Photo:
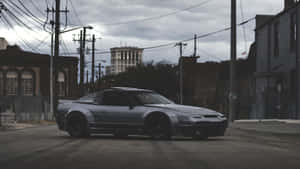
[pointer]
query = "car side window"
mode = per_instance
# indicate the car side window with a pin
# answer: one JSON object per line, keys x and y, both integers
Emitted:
{"x": 115, "y": 98}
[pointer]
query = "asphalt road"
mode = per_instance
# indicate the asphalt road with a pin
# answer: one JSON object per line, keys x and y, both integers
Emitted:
{"x": 48, "y": 148}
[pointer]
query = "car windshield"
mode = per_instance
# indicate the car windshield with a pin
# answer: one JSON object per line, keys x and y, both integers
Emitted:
{"x": 151, "y": 98}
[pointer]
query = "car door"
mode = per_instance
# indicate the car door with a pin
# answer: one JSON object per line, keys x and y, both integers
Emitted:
{"x": 117, "y": 110}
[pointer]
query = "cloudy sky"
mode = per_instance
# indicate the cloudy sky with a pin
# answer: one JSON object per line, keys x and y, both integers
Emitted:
{"x": 121, "y": 23}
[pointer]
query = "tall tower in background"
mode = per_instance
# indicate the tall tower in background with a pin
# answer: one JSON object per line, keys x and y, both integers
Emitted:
{"x": 123, "y": 58}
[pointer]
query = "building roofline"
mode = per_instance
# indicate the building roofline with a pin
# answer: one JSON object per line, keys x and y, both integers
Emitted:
{"x": 128, "y": 47}
{"x": 15, "y": 50}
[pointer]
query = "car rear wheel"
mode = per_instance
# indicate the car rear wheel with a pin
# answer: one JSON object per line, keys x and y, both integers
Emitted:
{"x": 159, "y": 128}
{"x": 77, "y": 126}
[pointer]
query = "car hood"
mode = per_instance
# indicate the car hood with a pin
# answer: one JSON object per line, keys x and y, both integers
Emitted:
{"x": 192, "y": 110}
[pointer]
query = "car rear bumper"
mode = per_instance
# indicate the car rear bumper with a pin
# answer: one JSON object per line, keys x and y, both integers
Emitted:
{"x": 209, "y": 129}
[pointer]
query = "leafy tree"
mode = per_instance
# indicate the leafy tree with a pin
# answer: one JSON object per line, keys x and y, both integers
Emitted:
{"x": 160, "y": 77}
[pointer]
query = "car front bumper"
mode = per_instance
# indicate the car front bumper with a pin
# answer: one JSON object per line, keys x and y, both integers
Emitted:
{"x": 207, "y": 128}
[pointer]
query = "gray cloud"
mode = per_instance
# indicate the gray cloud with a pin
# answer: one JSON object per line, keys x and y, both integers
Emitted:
{"x": 212, "y": 16}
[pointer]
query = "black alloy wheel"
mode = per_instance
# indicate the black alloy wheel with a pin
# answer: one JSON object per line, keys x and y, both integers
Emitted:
{"x": 159, "y": 128}
{"x": 77, "y": 126}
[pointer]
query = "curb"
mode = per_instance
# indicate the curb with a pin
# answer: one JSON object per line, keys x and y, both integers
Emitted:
{"x": 4, "y": 130}
{"x": 253, "y": 131}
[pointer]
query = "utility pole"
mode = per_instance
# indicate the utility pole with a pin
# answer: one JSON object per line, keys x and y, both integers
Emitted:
{"x": 180, "y": 44}
{"x": 297, "y": 65}
{"x": 93, "y": 60}
{"x": 195, "y": 46}
{"x": 56, "y": 54}
{"x": 55, "y": 31}
{"x": 233, "y": 94}
{"x": 51, "y": 64}
{"x": 81, "y": 83}
{"x": 82, "y": 41}
{"x": 99, "y": 72}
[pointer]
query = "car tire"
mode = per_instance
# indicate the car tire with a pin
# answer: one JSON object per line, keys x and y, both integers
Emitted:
{"x": 159, "y": 128}
{"x": 77, "y": 126}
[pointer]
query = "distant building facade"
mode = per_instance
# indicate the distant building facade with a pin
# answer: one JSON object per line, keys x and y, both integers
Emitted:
{"x": 125, "y": 57}
{"x": 276, "y": 73}
{"x": 25, "y": 80}
{"x": 207, "y": 84}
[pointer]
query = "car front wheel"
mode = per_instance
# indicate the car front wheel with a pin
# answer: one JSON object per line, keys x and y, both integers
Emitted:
{"x": 77, "y": 126}
{"x": 159, "y": 128}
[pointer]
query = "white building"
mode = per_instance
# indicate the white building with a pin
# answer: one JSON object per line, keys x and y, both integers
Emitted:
{"x": 125, "y": 57}
{"x": 3, "y": 44}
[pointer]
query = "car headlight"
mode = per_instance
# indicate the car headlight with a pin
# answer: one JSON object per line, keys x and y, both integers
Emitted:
{"x": 221, "y": 116}
{"x": 184, "y": 118}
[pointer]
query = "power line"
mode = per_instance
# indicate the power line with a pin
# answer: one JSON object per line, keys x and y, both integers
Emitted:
{"x": 21, "y": 12}
{"x": 159, "y": 16}
{"x": 36, "y": 7}
{"x": 75, "y": 12}
{"x": 42, "y": 42}
{"x": 201, "y": 36}
{"x": 17, "y": 8}
{"x": 11, "y": 26}
{"x": 186, "y": 40}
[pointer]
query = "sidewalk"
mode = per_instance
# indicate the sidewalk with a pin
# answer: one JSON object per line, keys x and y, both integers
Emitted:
{"x": 273, "y": 127}
{"x": 20, "y": 126}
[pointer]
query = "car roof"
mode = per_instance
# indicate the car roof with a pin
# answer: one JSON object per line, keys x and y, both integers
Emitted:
{"x": 129, "y": 89}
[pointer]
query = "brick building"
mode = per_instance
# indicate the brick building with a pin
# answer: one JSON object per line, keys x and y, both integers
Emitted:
{"x": 25, "y": 79}
{"x": 207, "y": 84}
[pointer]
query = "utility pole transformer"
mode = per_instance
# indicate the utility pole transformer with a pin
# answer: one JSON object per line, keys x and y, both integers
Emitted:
{"x": 233, "y": 91}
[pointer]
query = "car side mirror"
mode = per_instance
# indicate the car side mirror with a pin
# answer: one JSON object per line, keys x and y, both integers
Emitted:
{"x": 131, "y": 106}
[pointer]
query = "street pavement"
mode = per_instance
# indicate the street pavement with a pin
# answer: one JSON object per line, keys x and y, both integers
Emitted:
{"x": 47, "y": 148}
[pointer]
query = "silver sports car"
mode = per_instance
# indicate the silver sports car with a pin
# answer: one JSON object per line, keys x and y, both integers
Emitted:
{"x": 122, "y": 111}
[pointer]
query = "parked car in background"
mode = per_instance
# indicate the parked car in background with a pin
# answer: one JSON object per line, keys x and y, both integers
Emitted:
{"x": 124, "y": 111}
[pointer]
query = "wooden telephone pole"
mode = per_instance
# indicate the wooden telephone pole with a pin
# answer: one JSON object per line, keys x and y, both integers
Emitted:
{"x": 233, "y": 94}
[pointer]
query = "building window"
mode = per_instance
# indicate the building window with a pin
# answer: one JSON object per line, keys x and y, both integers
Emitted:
{"x": 61, "y": 84}
{"x": 276, "y": 39}
{"x": 137, "y": 57}
{"x": 122, "y": 55}
{"x": 27, "y": 83}
{"x": 1, "y": 83}
{"x": 293, "y": 30}
{"x": 12, "y": 83}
